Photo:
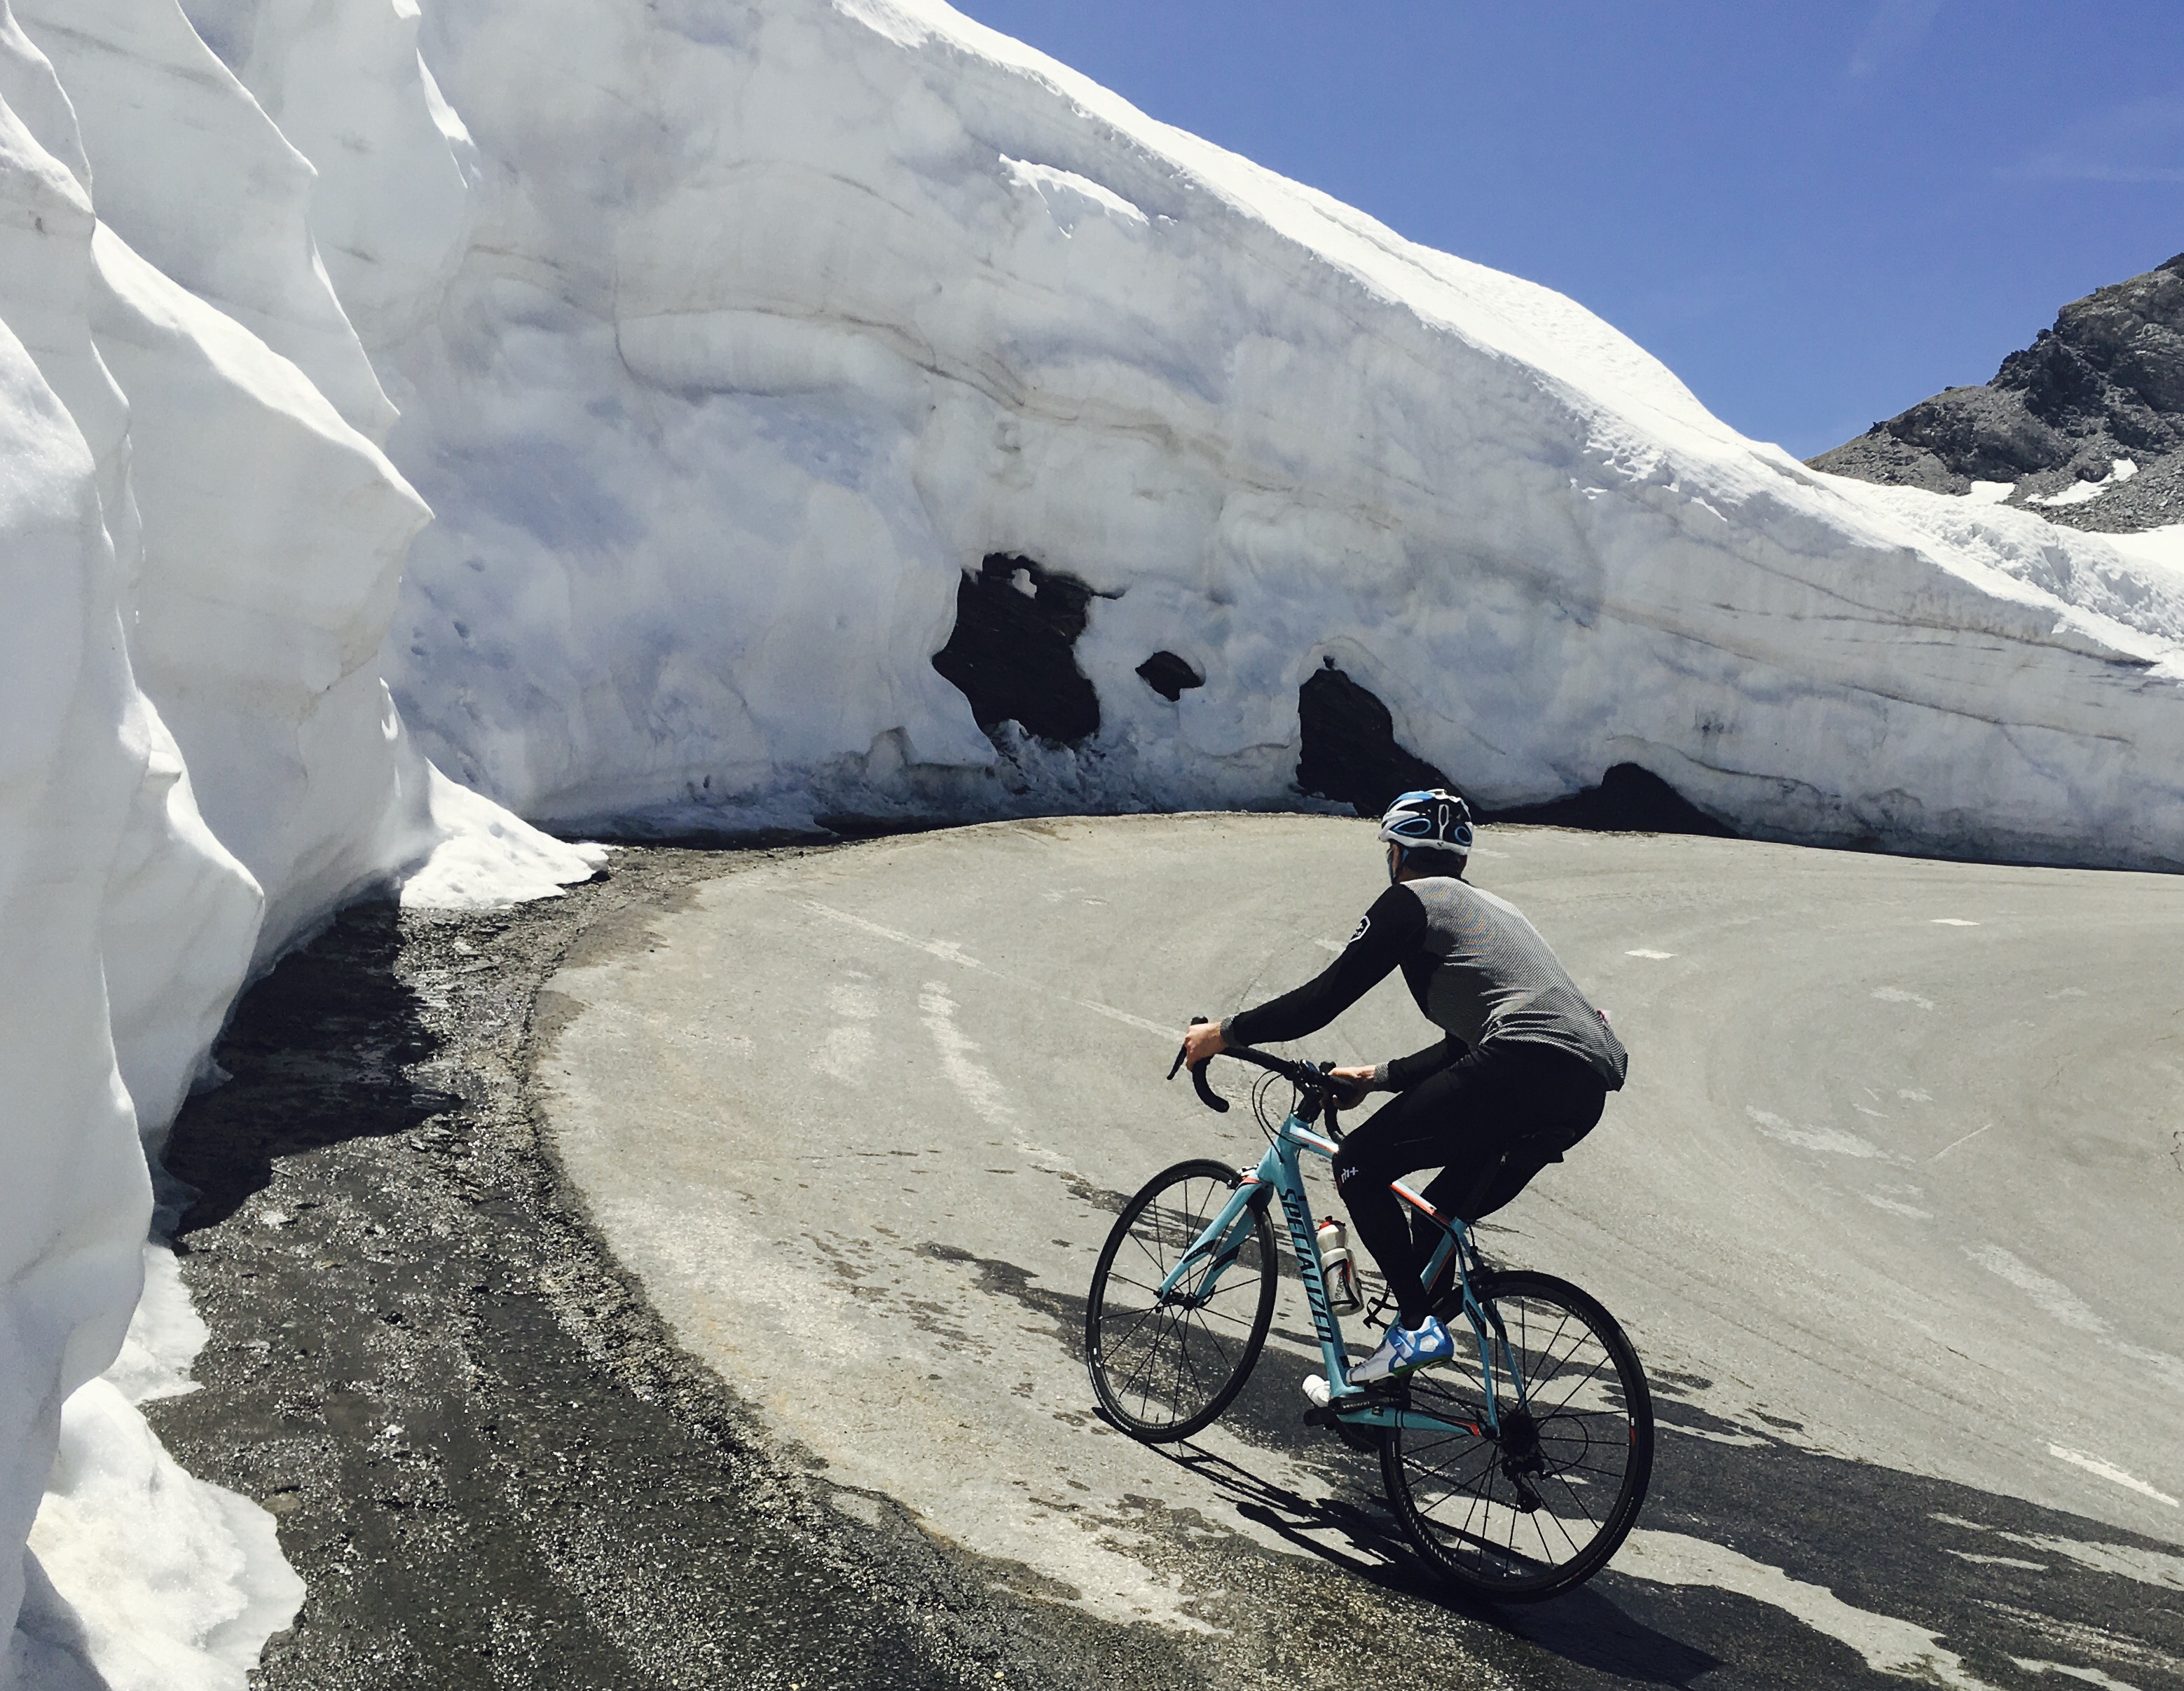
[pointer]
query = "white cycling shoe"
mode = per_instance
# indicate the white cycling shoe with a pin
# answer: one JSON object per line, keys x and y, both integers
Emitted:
{"x": 1405, "y": 1351}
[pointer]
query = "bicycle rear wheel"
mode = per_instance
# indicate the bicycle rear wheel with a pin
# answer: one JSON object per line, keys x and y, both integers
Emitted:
{"x": 1541, "y": 1508}
{"x": 1163, "y": 1369}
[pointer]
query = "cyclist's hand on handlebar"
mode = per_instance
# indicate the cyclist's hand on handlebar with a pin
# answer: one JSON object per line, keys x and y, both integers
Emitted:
{"x": 1356, "y": 1082}
{"x": 1203, "y": 1040}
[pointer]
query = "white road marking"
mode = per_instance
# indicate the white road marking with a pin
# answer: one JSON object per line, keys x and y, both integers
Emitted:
{"x": 951, "y": 951}
{"x": 2092, "y": 1675}
{"x": 847, "y": 1046}
{"x": 2068, "y": 1308}
{"x": 2087, "y": 1640}
{"x": 1125, "y": 1016}
{"x": 1654, "y": 956}
{"x": 1330, "y": 945}
{"x": 2109, "y": 1470}
{"x": 1953, "y": 1143}
{"x": 959, "y": 1057}
{"x": 1889, "y": 1645}
{"x": 1831, "y": 1140}
{"x": 948, "y": 951}
{"x": 2148, "y": 1568}
{"x": 844, "y": 1052}
{"x": 1895, "y": 1207}
{"x": 1896, "y": 994}
{"x": 1952, "y": 922}
{"x": 2000, "y": 1561}
{"x": 2051, "y": 1295}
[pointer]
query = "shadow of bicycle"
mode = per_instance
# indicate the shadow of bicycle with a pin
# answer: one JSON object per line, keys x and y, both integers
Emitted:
{"x": 1357, "y": 1535}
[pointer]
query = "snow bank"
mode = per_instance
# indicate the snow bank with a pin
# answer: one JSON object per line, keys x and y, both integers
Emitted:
{"x": 772, "y": 320}
{"x": 98, "y": 845}
{"x": 154, "y": 1581}
{"x": 199, "y": 551}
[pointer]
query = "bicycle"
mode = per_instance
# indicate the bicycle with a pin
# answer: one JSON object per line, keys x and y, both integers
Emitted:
{"x": 1516, "y": 1471}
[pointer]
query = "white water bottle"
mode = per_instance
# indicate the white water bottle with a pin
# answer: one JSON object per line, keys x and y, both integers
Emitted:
{"x": 1336, "y": 1270}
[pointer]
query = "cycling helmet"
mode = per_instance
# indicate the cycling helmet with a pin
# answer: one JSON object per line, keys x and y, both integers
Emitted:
{"x": 1436, "y": 821}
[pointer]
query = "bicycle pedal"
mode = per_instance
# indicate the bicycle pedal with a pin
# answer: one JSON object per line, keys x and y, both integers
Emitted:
{"x": 1381, "y": 1394}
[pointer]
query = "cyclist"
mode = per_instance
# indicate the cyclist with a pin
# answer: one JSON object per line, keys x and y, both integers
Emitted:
{"x": 1522, "y": 1072}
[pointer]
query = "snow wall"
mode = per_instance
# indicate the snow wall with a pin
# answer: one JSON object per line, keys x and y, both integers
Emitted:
{"x": 771, "y": 320}
{"x": 724, "y": 339}
{"x": 200, "y": 545}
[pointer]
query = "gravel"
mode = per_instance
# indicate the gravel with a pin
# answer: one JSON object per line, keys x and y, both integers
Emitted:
{"x": 490, "y": 1464}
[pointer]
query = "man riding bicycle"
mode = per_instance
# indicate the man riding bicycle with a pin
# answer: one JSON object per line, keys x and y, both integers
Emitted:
{"x": 1522, "y": 1072}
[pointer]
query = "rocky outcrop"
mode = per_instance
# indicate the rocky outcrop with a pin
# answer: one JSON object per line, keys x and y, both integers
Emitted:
{"x": 2101, "y": 389}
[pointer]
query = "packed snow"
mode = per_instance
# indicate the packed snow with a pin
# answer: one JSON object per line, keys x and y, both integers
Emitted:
{"x": 2157, "y": 553}
{"x": 201, "y": 550}
{"x": 720, "y": 342}
{"x": 156, "y": 1581}
{"x": 770, "y": 324}
{"x": 2120, "y": 469}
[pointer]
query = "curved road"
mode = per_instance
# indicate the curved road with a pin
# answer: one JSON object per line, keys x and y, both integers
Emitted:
{"x": 1893, "y": 1207}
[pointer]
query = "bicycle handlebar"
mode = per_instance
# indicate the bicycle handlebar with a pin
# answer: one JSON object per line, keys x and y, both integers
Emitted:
{"x": 1316, "y": 1083}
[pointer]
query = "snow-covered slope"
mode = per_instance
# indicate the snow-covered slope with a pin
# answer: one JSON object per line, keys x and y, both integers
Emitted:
{"x": 774, "y": 320}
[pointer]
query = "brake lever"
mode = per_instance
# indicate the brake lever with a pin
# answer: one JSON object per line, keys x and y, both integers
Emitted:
{"x": 1182, "y": 1050}
{"x": 1339, "y": 1098}
{"x": 1206, "y": 1096}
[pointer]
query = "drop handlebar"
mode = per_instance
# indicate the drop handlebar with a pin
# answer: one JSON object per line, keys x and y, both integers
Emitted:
{"x": 1321, "y": 1089}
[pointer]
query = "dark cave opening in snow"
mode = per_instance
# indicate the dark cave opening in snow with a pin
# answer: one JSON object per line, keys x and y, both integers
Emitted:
{"x": 1013, "y": 650}
{"x": 1169, "y": 675}
{"x": 1629, "y": 799}
{"x": 1350, "y": 754}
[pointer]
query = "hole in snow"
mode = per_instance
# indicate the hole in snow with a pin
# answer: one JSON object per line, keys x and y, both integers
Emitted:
{"x": 1350, "y": 751}
{"x": 1013, "y": 651}
{"x": 1169, "y": 676}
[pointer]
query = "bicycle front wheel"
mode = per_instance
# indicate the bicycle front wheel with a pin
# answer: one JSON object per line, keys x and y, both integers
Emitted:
{"x": 1164, "y": 1367}
{"x": 1539, "y": 1508}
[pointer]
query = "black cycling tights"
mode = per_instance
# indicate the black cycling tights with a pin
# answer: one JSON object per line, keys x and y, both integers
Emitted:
{"x": 1459, "y": 1121}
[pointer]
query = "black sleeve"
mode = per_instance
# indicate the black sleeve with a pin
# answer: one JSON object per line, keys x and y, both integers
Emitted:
{"x": 1406, "y": 1072}
{"x": 1390, "y": 932}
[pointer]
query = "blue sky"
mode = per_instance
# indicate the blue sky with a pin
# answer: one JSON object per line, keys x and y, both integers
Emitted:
{"x": 1816, "y": 214}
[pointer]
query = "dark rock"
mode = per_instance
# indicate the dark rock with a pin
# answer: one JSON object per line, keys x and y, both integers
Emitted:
{"x": 1349, "y": 753}
{"x": 2106, "y": 382}
{"x": 1169, "y": 676}
{"x": 1013, "y": 654}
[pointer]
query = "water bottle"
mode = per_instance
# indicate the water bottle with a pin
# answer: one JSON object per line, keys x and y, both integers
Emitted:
{"x": 1336, "y": 1270}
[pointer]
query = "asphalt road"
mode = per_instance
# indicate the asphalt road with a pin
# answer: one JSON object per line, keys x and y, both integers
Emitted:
{"x": 1893, "y": 1208}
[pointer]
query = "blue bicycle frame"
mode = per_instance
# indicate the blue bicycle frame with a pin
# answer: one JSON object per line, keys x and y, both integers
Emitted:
{"x": 1278, "y": 1174}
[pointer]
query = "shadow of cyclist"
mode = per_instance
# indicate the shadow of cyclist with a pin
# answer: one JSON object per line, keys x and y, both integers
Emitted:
{"x": 1584, "y": 1627}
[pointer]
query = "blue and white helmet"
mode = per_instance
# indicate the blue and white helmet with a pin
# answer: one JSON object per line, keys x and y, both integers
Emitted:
{"x": 1436, "y": 820}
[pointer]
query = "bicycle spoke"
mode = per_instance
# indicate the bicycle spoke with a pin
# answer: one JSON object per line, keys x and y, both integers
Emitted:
{"x": 1521, "y": 1508}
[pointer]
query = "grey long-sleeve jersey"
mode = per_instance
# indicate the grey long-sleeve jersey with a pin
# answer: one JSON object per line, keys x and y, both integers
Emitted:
{"x": 1479, "y": 970}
